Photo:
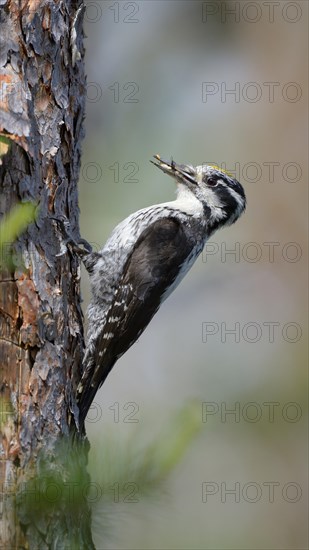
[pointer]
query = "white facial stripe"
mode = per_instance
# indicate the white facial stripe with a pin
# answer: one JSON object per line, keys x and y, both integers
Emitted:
{"x": 212, "y": 198}
{"x": 234, "y": 194}
{"x": 237, "y": 197}
{"x": 209, "y": 195}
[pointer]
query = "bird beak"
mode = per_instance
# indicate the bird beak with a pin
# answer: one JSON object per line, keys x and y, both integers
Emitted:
{"x": 181, "y": 172}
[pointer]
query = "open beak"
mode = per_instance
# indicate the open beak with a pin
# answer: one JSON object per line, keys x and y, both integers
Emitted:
{"x": 183, "y": 173}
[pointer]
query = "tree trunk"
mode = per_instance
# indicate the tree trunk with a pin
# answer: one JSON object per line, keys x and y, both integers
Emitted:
{"x": 42, "y": 97}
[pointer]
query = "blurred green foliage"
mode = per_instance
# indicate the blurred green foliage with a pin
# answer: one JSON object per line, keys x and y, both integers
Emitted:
{"x": 12, "y": 226}
{"x": 121, "y": 471}
{"x": 146, "y": 466}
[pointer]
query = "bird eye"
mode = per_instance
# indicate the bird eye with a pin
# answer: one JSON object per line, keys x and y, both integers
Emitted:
{"x": 212, "y": 182}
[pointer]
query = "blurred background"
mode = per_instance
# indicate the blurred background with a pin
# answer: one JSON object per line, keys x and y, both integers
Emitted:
{"x": 204, "y": 82}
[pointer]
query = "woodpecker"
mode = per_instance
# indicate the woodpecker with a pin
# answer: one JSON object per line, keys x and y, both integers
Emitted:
{"x": 144, "y": 260}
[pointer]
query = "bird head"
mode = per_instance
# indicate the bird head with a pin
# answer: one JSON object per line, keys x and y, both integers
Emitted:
{"x": 222, "y": 196}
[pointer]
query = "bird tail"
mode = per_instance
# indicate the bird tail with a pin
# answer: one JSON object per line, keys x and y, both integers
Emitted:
{"x": 87, "y": 389}
{"x": 85, "y": 397}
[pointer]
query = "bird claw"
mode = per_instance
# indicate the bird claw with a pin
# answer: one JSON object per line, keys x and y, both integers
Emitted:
{"x": 82, "y": 247}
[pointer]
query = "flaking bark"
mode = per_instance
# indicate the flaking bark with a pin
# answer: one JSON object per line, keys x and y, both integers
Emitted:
{"x": 42, "y": 99}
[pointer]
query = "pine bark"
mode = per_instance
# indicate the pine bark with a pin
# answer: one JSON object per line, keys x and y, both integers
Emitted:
{"x": 42, "y": 100}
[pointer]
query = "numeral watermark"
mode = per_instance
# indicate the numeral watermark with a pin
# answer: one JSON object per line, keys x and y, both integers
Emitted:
{"x": 129, "y": 168}
{"x": 93, "y": 172}
{"x": 125, "y": 93}
{"x": 118, "y": 92}
{"x": 127, "y": 413}
{"x": 116, "y": 12}
{"x": 125, "y": 12}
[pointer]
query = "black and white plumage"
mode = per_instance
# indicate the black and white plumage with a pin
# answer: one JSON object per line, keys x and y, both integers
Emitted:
{"x": 144, "y": 259}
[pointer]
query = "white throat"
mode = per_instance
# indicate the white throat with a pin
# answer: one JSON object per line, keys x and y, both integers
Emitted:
{"x": 186, "y": 202}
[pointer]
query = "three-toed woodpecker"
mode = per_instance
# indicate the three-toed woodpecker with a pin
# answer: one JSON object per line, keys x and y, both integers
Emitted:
{"x": 144, "y": 259}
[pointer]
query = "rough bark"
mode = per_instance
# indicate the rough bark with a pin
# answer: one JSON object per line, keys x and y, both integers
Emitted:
{"x": 42, "y": 99}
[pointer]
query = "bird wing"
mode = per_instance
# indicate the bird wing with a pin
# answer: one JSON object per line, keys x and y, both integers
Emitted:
{"x": 154, "y": 265}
